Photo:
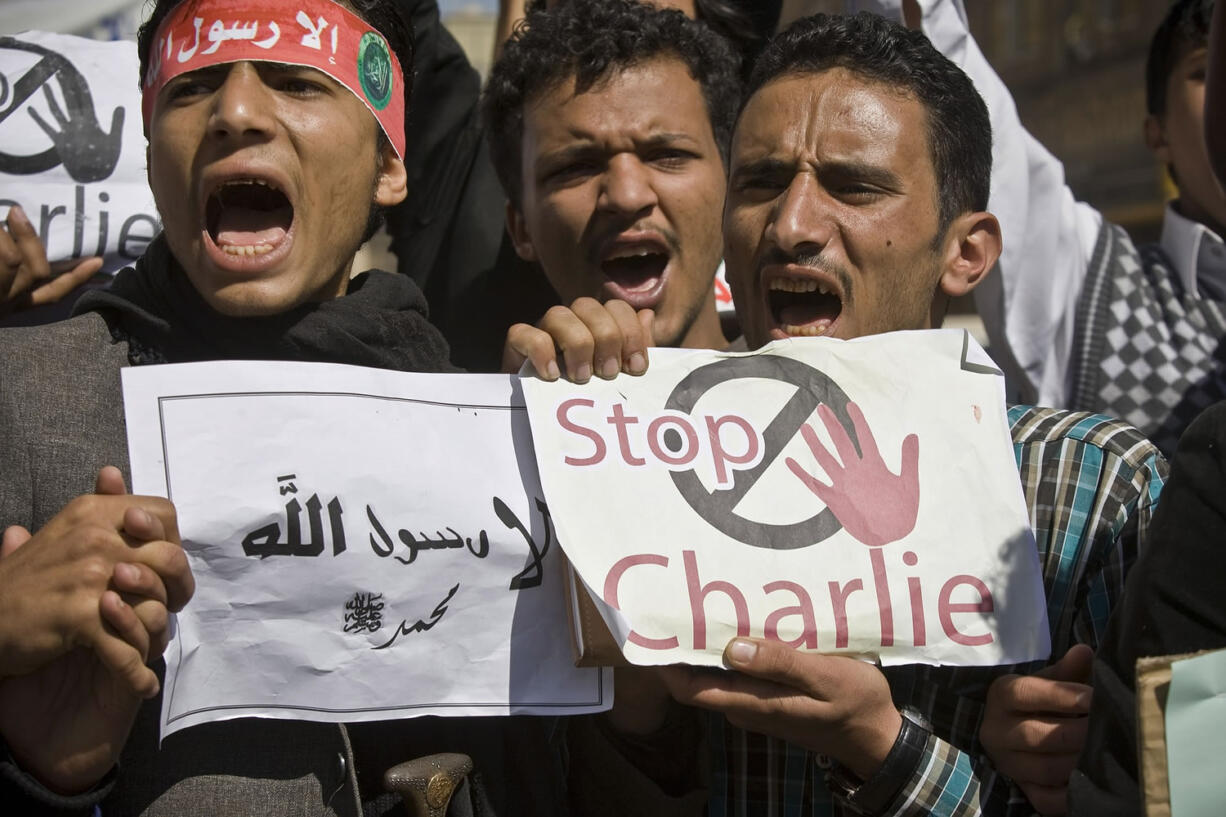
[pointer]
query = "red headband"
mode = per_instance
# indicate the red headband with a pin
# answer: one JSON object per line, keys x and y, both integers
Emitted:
{"x": 315, "y": 33}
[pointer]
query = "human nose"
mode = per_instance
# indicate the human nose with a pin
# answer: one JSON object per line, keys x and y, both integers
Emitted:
{"x": 627, "y": 186}
{"x": 241, "y": 105}
{"x": 799, "y": 220}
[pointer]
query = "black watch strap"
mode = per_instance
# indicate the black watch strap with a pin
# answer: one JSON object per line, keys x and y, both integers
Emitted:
{"x": 872, "y": 796}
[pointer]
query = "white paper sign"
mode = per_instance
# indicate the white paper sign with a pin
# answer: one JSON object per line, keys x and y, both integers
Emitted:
{"x": 72, "y": 147}
{"x": 366, "y": 545}
{"x": 692, "y": 502}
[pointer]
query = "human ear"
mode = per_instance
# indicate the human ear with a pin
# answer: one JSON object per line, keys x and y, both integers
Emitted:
{"x": 393, "y": 184}
{"x": 972, "y": 245}
{"x": 518, "y": 230}
{"x": 1155, "y": 139}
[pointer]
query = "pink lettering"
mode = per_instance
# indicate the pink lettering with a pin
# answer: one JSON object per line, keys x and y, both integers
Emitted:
{"x": 611, "y": 583}
{"x": 918, "y": 630}
{"x": 946, "y": 609}
{"x": 619, "y": 420}
{"x": 564, "y": 421}
{"x": 885, "y": 605}
{"x": 654, "y": 432}
{"x": 804, "y": 609}
{"x": 838, "y": 601}
{"x": 698, "y": 598}
{"x": 721, "y": 457}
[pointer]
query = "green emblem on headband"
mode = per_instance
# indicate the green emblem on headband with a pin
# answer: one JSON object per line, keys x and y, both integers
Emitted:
{"x": 375, "y": 70}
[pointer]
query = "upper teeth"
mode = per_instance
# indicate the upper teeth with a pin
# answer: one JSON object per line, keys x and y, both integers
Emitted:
{"x": 631, "y": 254}
{"x": 261, "y": 182}
{"x": 799, "y": 285}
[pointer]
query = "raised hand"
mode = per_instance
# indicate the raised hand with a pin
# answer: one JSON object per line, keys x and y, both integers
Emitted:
{"x": 874, "y": 505}
{"x": 26, "y": 278}
{"x": 593, "y": 338}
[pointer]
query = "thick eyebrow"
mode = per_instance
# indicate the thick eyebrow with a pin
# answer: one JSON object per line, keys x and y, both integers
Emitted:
{"x": 766, "y": 167}
{"x": 861, "y": 172}
{"x": 575, "y": 151}
{"x": 581, "y": 150}
{"x": 663, "y": 139}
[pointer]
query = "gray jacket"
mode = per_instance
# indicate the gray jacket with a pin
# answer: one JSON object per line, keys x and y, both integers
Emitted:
{"x": 61, "y": 419}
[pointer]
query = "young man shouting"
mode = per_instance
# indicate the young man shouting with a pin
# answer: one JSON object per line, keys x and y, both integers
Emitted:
{"x": 270, "y": 158}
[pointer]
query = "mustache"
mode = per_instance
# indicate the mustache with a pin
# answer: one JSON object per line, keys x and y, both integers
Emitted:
{"x": 810, "y": 260}
{"x": 595, "y": 242}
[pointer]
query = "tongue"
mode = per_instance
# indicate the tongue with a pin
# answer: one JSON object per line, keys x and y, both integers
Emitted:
{"x": 802, "y": 314}
{"x": 635, "y": 273}
{"x": 244, "y": 226}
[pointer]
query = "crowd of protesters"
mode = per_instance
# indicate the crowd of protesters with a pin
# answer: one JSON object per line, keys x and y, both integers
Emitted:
{"x": 852, "y": 173}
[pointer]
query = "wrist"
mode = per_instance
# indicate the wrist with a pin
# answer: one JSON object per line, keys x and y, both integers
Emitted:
{"x": 868, "y": 751}
{"x": 19, "y": 786}
{"x": 874, "y": 793}
{"x": 66, "y": 779}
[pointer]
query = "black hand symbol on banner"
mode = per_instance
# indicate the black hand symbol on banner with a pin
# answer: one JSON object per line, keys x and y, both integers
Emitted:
{"x": 88, "y": 153}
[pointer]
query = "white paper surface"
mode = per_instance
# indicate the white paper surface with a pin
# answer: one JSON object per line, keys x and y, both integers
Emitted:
{"x": 80, "y": 176}
{"x": 675, "y": 499}
{"x": 408, "y": 477}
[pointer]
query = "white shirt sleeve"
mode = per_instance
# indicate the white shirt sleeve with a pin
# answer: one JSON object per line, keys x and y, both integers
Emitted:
{"x": 1029, "y": 306}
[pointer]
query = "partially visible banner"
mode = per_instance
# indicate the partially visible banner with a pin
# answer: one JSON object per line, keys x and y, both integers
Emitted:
{"x": 839, "y": 496}
{"x": 367, "y": 545}
{"x": 72, "y": 151}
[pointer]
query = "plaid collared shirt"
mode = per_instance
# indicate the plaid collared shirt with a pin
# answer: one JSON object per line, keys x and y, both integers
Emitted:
{"x": 1091, "y": 484}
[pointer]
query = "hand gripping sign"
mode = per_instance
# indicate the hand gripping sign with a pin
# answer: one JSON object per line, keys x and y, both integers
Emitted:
{"x": 317, "y": 33}
{"x": 815, "y": 492}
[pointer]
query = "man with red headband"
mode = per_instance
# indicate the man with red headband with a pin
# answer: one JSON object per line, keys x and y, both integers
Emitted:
{"x": 276, "y": 136}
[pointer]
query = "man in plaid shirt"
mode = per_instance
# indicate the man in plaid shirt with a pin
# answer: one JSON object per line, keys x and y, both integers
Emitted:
{"x": 860, "y": 163}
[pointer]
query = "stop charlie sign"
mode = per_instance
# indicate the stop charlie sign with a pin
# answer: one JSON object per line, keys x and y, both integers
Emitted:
{"x": 838, "y": 496}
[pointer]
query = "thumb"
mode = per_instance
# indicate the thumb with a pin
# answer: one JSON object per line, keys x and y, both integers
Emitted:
{"x": 646, "y": 319}
{"x": 1075, "y": 666}
{"x": 767, "y": 659}
{"x": 14, "y": 537}
{"x": 110, "y": 482}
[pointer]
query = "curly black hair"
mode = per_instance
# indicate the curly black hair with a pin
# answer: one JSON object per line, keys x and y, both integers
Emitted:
{"x": 748, "y": 24}
{"x": 1185, "y": 28}
{"x": 881, "y": 51}
{"x": 588, "y": 40}
{"x": 385, "y": 16}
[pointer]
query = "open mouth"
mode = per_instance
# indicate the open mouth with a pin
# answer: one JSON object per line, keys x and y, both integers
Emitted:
{"x": 248, "y": 217}
{"x": 635, "y": 266}
{"x": 635, "y": 270}
{"x": 803, "y": 307}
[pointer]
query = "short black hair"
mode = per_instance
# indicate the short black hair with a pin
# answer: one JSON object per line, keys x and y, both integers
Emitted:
{"x": 1185, "y": 27}
{"x": 748, "y": 24}
{"x": 881, "y": 51}
{"x": 589, "y": 40}
{"x": 385, "y": 16}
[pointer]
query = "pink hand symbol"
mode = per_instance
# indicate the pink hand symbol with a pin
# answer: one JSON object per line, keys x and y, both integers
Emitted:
{"x": 875, "y": 505}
